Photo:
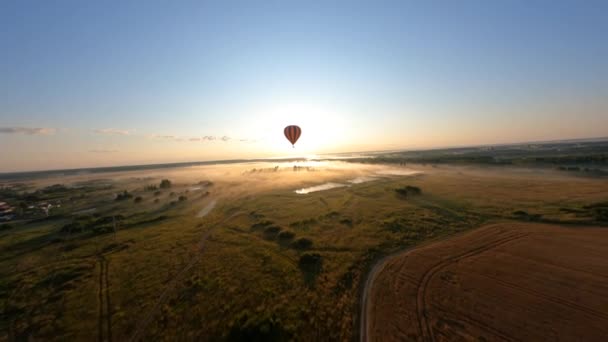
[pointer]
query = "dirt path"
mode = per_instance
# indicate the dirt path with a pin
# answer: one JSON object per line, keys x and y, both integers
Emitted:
{"x": 104, "y": 323}
{"x": 143, "y": 324}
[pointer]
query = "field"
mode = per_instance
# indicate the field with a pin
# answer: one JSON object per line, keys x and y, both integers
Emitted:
{"x": 503, "y": 282}
{"x": 233, "y": 252}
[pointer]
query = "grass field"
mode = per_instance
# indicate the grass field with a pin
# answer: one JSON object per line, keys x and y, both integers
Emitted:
{"x": 263, "y": 263}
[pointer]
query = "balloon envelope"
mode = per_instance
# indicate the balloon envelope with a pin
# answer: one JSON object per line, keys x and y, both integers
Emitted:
{"x": 292, "y": 133}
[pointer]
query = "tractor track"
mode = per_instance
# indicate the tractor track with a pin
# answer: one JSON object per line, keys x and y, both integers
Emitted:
{"x": 425, "y": 330}
{"x": 104, "y": 321}
{"x": 143, "y": 324}
{"x": 378, "y": 266}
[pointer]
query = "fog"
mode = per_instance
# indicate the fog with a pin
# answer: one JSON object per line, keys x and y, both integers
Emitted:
{"x": 247, "y": 178}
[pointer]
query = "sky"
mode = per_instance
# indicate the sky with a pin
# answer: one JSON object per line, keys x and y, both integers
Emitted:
{"x": 99, "y": 83}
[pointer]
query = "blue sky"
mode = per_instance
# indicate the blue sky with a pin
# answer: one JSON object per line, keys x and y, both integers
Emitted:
{"x": 105, "y": 83}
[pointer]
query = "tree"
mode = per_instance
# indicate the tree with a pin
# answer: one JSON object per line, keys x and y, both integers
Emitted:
{"x": 123, "y": 196}
{"x": 165, "y": 184}
{"x": 302, "y": 243}
{"x": 286, "y": 235}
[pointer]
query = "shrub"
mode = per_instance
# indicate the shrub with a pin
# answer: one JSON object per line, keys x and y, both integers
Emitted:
{"x": 260, "y": 225}
{"x": 157, "y": 193}
{"x": 123, "y": 196}
{"x": 72, "y": 227}
{"x": 286, "y": 235}
{"x": 182, "y": 198}
{"x": 394, "y": 225}
{"x": 302, "y": 243}
{"x": 310, "y": 263}
{"x": 408, "y": 191}
{"x": 272, "y": 231}
{"x": 304, "y": 223}
{"x": 151, "y": 187}
{"x": 601, "y": 214}
{"x": 523, "y": 215}
{"x": 138, "y": 199}
{"x": 6, "y": 226}
{"x": 165, "y": 184}
{"x": 249, "y": 327}
{"x": 347, "y": 222}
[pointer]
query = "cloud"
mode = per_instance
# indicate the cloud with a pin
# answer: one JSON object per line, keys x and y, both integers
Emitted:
{"x": 112, "y": 131}
{"x": 212, "y": 138}
{"x": 195, "y": 139}
{"x": 158, "y": 136}
{"x": 103, "y": 151}
{"x": 27, "y": 130}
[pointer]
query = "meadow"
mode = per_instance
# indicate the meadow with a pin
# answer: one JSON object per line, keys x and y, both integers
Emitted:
{"x": 233, "y": 252}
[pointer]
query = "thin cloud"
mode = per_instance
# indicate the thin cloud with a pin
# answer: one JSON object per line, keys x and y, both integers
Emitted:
{"x": 112, "y": 131}
{"x": 158, "y": 136}
{"x": 103, "y": 151}
{"x": 27, "y": 130}
{"x": 224, "y": 138}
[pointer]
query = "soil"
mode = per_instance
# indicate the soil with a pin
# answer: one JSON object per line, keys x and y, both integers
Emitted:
{"x": 508, "y": 281}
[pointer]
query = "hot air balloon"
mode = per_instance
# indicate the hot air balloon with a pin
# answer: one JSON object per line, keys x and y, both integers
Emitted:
{"x": 292, "y": 133}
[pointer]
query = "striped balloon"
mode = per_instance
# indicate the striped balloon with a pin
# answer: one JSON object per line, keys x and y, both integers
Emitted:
{"x": 292, "y": 133}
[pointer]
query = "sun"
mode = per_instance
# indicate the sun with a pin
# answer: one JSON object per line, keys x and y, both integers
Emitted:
{"x": 323, "y": 128}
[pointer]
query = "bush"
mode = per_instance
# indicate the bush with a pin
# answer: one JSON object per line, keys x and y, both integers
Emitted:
{"x": 138, "y": 199}
{"x": 302, "y": 243}
{"x": 311, "y": 263}
{"x": 252, "y": 328}
{"x": 601, "y": 214}
{"x": 523, "y": 215}
{"x": 72, "y": 227}
{"x": 182, "y": 198}
{"x": 408, "y": 191}
{"x": 271, "y": 231}
{"x": 123, "y": 196}
{"x": 260, "y": 225}
{"x": 395, "y": 225}
{"x": 286, "y": 235}
{"x": 165, "y": 184}
{"x": 347, "y": 222}
{"x": 157, "y": 193}
{"x": 6, "y": 226}
{"x": 151, "y": 187}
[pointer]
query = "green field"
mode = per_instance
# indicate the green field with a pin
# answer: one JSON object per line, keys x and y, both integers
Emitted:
{"x": 264, "y": 264}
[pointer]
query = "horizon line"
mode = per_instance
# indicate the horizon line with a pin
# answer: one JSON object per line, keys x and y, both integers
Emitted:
{"x": 100, "y": 169}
